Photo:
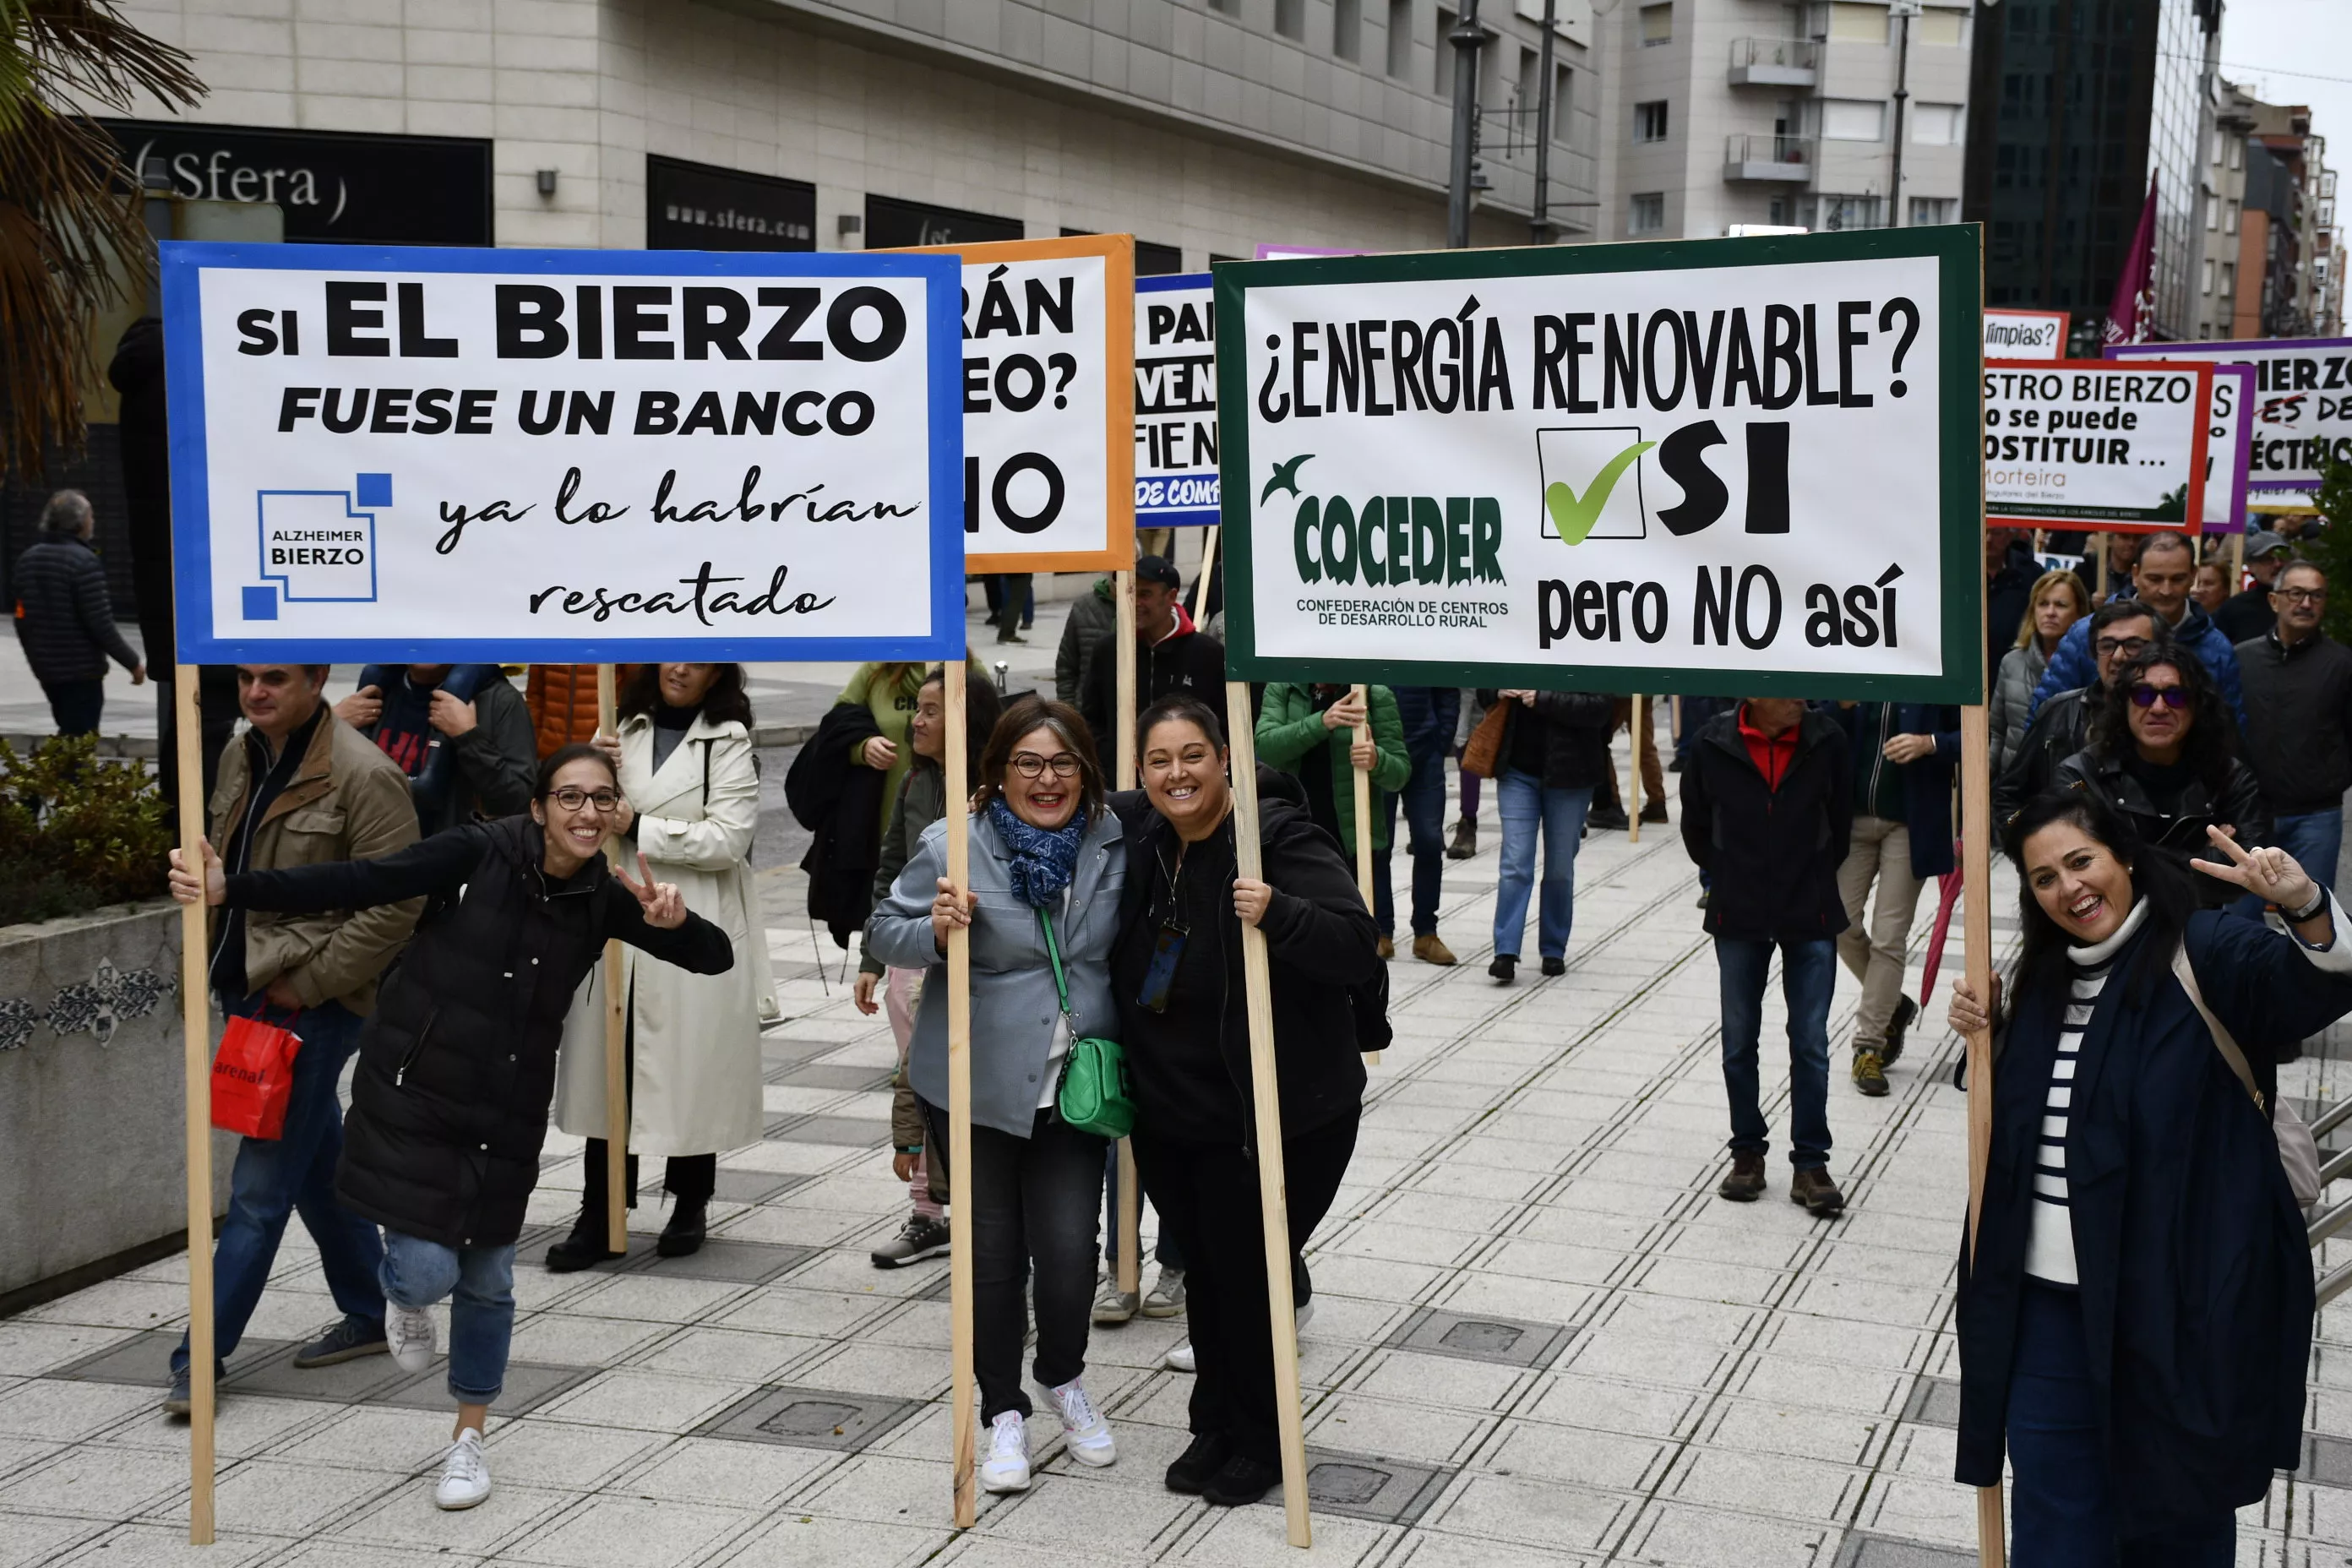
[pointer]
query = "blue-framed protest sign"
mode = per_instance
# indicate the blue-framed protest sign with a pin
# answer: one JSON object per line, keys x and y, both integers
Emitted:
{"x": 584, "y": 456}
{"x": 1175, "y": 401}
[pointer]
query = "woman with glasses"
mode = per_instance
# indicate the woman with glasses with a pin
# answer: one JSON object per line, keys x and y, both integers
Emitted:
{"x": 2057, "y": 602}
{"x": 457, "y": 1065}
{"x": 1047, "y": 866}
{"x": 691, "y": 803}
{"x": 2163, "y": 752}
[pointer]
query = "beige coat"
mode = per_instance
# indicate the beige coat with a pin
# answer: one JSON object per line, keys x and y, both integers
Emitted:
{"x": 698, "y": 1082}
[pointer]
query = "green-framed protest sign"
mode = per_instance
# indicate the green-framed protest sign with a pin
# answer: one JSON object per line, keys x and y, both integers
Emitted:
{"x": 1739, "y": 467}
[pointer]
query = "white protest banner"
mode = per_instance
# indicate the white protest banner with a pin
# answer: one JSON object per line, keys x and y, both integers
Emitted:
{"x": 576, "y": 455}
{"x": 2303, "y": 402}
{"x": 2097, "y": 444}
{"x": 1175, "y": 402}
{"x": 1732, "y": 464}
{"x": 2025, "y": 335}
{"x": 2229, "y": 436}
{"x": 1048, "y": 404}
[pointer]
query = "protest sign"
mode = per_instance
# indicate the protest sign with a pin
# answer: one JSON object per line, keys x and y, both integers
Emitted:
{"x": 1048, "y": 404}
{"x": 2303, "y": 402}
{"x": 2093, "y": 444}
{"x": 517, "y": 455}
{"x": 2229, "y": 436}
{"x": 1680, "y": 467}
{"x": 2025, "y": 335}
{"x": 1175, "y": 402}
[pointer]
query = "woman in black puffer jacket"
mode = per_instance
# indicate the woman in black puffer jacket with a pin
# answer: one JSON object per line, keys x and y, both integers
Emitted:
{"x": 457, "y": 1067}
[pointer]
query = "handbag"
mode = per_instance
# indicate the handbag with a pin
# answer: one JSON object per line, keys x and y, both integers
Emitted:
{"x": 1481, "y": 754}
{"x": 2298, "y": 1149}
{"x": 1092, "y": 1095}
{"x": 253, "y": 1077}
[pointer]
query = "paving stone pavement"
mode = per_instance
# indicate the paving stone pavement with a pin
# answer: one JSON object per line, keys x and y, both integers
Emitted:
{"x": 1539, "y": 1336}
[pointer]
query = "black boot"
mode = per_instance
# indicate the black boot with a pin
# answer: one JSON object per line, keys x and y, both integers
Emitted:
{"x": 683, "y": 1234}
{"x": 585, "y": 1246}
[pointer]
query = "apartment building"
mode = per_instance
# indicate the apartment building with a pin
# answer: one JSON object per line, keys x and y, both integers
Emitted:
{"x": 2271, "y": 265}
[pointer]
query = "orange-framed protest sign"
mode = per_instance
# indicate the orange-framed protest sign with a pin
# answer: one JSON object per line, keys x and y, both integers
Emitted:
{"x": 1048, "y": 403}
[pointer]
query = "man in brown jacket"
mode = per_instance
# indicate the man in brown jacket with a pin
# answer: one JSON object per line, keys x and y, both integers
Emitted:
{"x": 301, "y": 788}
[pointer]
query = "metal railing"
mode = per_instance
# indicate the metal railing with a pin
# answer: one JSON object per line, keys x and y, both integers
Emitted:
{"x": 1745, "y": 147}
{"x": 1787, "y": 54}
{"x": 2334, "y": 1165}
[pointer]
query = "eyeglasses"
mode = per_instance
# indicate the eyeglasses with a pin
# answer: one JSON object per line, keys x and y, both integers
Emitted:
{"x": 570, "y": 799}
{"x": 1030, "y": 766}
{"x": 2173, "y": 697}
{"x": 2130, "y": 648}
{"x": 2301, "y": 595}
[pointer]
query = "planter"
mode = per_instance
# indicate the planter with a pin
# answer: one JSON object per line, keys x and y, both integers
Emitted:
{"x": 93, "y": 1095}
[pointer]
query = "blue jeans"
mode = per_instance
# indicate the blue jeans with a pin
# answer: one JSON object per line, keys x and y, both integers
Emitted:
{"x": 1523, "y": 802}
{"x": 1808, "y": 973}
{"x": 1425, "y": 815}
{"x": 479, "y": 1283}
{"x": 2061, "y": 1511}
{"x": 294, "y": 1173}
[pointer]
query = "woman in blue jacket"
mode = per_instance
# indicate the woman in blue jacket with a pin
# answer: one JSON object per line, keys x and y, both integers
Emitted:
{"x": 2135, "y": 1321}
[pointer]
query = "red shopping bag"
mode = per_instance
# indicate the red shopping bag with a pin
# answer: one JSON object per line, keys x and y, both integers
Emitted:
{"x": 253, "y": 1077}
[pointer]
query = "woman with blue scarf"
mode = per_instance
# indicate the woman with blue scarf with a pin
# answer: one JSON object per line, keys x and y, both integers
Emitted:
{"x": 1048, "y": 864}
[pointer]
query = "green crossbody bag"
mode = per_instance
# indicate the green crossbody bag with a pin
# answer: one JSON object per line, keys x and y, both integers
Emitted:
{"x": 1092, "y": 1095}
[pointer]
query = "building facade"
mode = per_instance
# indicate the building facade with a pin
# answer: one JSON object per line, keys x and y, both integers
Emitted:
{"x": 2269, "y": 267}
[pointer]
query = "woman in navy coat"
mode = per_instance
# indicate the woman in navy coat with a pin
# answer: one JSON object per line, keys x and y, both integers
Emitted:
{"x": 2136, "y": 1324}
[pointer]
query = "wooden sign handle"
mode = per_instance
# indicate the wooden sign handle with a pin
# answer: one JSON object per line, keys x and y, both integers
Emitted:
{"x": 1265, "y": 1096}
{"x": 195, "y": 1023}
{"x": 1976, "y": 876}
{"x": 1634, "y": 773}
{"x": 1201, "y": 584}
{"x": 962, "y": 1394}
{"x": 1129, "y": 1218}
{"x": 616, "y": 1045}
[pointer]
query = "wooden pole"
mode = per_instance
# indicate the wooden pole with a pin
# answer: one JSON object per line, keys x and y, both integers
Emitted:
{"x": 196, "y": 1023}
{"x": 1633, "y": 774}
{"x": 963, "y": 1395}
{"x": 1130, "y": 1219}
{"x": 616, "y": 1068}
{"x": 1976, "y": 872}
{"x": 1273, "y": 1195}
{"x": 2099, "y": 549}
{"x": 1362, "y": 779}
{"x": 1201, "y": 584}
{"x": 2237, "y": 561}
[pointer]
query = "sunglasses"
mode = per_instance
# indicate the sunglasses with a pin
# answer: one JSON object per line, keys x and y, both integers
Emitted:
{"x": 2173, "y": 697}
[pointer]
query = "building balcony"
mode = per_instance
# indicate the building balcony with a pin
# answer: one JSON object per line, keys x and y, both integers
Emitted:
{"x": 1775, "y": 62}
{"x": 1778, "y": 160}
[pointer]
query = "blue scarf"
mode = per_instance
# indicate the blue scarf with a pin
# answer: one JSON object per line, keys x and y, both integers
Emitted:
{"x": 1042, "y": 858}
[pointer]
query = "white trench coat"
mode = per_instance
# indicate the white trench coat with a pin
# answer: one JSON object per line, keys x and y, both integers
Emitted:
{"x": 697, "y": 1084}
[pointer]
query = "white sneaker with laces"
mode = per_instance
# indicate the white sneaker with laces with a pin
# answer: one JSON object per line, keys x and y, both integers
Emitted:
{"x": 465, "y": 1473}
{"x": 1180, "y": 1359}
{"x": 408, "y": 1334}
{"x": 1006, "y": 1469}
{"x": 1084, "y": 1430}
{"x": 1166, "y": 1297}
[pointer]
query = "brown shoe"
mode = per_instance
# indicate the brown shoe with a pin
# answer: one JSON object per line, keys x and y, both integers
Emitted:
{"x": 1654, "y": 811}
{"x": 1811, "y": 1186}
{"x": 1387, "y": 948}
{"x": 1869, "y": 1072}
{"x": 1431, "y": 950}
{"x": 1466, "y": 840}
{"x": 1745, "y": 1184}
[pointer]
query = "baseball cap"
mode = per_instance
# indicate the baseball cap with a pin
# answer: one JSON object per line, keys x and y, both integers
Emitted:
{"x": 2262, "y": 542}
{"x": 1158, "y": 569}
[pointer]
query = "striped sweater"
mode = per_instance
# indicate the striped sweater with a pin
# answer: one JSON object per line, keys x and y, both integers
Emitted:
{"x": 2050, "y": 1245}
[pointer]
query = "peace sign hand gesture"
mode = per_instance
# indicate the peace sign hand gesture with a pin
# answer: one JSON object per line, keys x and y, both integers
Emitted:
{"x": 664, "y": 905}
{"x": 2269, "y": 874}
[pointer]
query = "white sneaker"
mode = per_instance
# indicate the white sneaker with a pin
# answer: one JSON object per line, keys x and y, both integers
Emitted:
{"x": 1180, "y": 1359}
{"x": 1006, "y": 1469}
{"x": 465, "y": 1473}
{"x": 408, "y": 1334}
{"x": 1084, "y": 1429}
{"x": 1166, "y": 1297}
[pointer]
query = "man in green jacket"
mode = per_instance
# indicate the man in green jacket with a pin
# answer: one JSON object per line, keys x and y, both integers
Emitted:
{"x": 1300, "y": 722}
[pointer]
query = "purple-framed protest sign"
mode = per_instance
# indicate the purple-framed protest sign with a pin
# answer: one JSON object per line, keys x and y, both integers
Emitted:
{"x": 2227, "y": 445}
{"x": 2301, "y": 407}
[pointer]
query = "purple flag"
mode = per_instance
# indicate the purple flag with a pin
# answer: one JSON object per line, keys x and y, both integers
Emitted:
{"x": 2131, "y": 315}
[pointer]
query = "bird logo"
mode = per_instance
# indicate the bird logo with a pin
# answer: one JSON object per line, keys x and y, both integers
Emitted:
{"x": 1285, "y": 477}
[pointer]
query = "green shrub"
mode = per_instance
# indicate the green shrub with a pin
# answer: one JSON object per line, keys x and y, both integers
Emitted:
{"x": 76, "y": 834}
{"x": 2331, "y": 547}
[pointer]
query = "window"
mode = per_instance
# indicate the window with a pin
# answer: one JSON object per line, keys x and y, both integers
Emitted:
{"x": 1563, "y": 96}
{"x": 1852, "y": 120}
{"x": 1855, "y": 24}
{"x": 1833, "y": 213}
{"x": 2230, "y": 279}
{"x": 1230, "y": 7}
{"x": 1290, "y": 19}
{"x": 1442, "y": 82}
{"x": 1647, "y": 213}
{"x": 1946, "y": 30}
{"x": 1650, "y": 121}
{"x": 1776, "y": 213}
{"x": 1938, "y": 124}
{"x": 1530, "y": 65}
{"x": 1400, "y": 37}
{"x": 2230, "y": 219}
{"x": 1657, "y": 26}
{"x": 1926, "y": 212}
{"x": 2212, "y": 213}
{"x": 2217, "y": 149}
{"x": 2237, "y": 153}
{"x": 2208, "y": 275}
{"x": 1347, "y": 28}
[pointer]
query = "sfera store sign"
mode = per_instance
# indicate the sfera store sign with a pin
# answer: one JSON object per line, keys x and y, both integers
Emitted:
{"x": 1742, "y": 464}
{"x": 334, "y": 186}
{"x": 2101, "y": 444}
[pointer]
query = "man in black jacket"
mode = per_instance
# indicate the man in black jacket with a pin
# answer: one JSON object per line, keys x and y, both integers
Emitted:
{"x": 2299, "y": 721}
{"x": 2246, "y": 615}
{"x": 66, "y": 619}
{"x": 2121, "y": 629}
{"x": 1170, "y": 655}
{"x": 460, "y": 732}
{"x": 1767, "y": 810}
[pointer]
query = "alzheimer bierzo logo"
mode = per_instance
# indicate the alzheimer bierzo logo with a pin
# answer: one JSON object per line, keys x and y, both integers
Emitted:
{"x": 317, "y": 546}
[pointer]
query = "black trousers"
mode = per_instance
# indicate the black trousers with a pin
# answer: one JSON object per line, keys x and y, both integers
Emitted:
{"x": 1032, "y": 1200}
{"x": 689, "y": 1178}
{"x": 1208, "y": 1194}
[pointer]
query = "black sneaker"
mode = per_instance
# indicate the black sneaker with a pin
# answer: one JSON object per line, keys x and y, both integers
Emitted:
{"x": 1608, "y": 818}
{"x": 1554, "y": 966}
{"x": 347, "y": 1340}
{"x": 1240, "y": 1482}
{"x": 921, "y": 1236}
{"x": 1906, "y": 1012}
{"x": 1505, "y": 968}
{"x": 1197, "y": 1465}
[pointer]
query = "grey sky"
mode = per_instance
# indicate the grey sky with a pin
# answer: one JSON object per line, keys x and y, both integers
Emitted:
{"x": 2263, "y": 41}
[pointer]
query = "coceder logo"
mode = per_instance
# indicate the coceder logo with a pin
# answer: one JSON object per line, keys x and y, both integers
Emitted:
{"x": 1390, "y": 542}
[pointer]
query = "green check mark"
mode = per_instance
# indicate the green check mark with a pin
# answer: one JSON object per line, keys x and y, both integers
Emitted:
{"x": 1573, "y": 515}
